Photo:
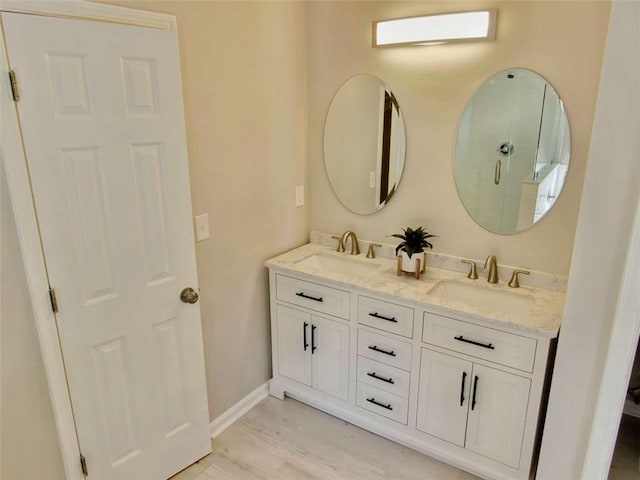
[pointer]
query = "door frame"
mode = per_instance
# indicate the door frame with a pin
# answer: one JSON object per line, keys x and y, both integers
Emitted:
{"x": 618, "y": 364}
{"x": 20, "y": 192}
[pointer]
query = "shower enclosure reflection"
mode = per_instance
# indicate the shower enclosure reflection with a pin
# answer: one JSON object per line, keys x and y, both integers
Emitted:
{"x": 512, "y": 151}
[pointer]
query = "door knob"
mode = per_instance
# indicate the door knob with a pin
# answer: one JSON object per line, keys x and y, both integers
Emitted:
{"x": 189, "y": 295}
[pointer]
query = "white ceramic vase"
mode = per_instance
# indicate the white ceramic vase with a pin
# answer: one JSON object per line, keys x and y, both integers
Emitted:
{"x": 410, "y": 264}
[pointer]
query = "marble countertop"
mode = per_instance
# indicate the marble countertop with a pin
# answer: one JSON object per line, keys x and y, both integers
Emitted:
{"x": 543, "y": 317}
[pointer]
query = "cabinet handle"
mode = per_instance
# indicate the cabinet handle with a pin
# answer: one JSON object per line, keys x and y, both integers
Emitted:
{"x": 304, "y": 336}
{"x": 475, "y": 389}
{"x": 373, "y": 400}
{"x": 376, "y": 349}
{"x": 313, "y": 339}
{"x": 460, "y": 338}
{"x": 382, "y": 379}
{"x": 464, "y": 377}
{"x": 382, "y": 317}
{"x": 309, "y": 297}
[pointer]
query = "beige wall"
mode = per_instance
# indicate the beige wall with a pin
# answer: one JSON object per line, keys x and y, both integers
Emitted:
{"x": 28, "y": 434}
{"x": 244, "y": 81}
{"x": 562, "y": 41}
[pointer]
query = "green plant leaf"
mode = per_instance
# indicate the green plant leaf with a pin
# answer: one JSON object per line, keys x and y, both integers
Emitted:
{"x": 414, "y": 241}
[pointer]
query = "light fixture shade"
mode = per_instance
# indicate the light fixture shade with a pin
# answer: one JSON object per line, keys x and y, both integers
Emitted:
{"x": 440, "y": 28}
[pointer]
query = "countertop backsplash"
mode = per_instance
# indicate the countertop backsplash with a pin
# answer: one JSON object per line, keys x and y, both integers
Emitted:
{"x": 535, "y": 279}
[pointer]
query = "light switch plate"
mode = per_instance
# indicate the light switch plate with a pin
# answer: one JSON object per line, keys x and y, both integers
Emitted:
{"x": 299, "y": 195}
{"x": 202, "y": 227}
{"x": 372, "y": 179}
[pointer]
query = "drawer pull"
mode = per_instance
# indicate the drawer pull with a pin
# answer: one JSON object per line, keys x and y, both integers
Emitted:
{"x": 313, "y": 339}
{"x": 460, "y": 338}
{"x": 373, "y": 400}
{"x": 382, "y": 317}
{"x": 304, "y": 336}
{"x": 309, "y": 297}
{"x": 376, "y": 349}
{"x": 475, "y": 389}
{"x": 464, "y": 377}
{"x": 382, "y": 379}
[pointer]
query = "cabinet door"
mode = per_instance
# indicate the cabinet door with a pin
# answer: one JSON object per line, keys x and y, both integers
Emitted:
{"x": 496, "y": 422}
{"x": 294, "y": 355}
{"x": 444, "y": 396}
{"x": 330, "y": 357}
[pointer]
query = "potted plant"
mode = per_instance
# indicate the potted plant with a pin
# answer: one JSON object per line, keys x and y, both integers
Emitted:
{"x": 412, "y": 248}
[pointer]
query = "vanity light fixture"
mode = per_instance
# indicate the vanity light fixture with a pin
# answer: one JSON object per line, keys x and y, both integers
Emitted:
{"x": 435, "y": 29}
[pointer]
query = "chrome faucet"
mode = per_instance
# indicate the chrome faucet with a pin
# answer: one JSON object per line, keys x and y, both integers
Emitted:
{"x": 355, "y": 248}
{"x": 492, "y": 277}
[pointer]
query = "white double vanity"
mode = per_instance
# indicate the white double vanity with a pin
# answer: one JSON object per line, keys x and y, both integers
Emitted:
{"x": 452, "y": 367}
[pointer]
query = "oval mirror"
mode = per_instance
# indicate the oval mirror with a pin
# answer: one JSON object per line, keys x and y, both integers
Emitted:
{"x": 364, "y": 144}
{"x": 512, "y": 151}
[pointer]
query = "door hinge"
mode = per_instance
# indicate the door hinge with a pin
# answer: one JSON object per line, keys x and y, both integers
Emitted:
{"x": 54, "y": 300}
{"x": 14, "y": 86}
{"x": 83, "y": 464}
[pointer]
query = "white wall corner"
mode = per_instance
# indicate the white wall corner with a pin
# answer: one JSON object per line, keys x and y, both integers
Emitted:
{"x": 231, "y": 415}
{"x": 596, "y": 282}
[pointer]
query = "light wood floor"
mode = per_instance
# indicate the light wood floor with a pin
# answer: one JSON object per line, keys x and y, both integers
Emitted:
{"x": 287, "y": 440}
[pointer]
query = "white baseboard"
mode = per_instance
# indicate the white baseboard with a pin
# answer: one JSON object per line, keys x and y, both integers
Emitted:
{"x": 228, "y": 418}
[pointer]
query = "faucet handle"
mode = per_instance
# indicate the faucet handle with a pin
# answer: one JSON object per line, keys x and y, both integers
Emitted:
{"x": 371, "y": 253}
{"x": 340, "y": 243}
{"x": 514, "y": 283}
{"x": 473, "y": 273}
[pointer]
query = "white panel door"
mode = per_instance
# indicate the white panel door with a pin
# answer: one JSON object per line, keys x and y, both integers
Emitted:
{"x": 294, "y": 344}
{"x": 496, "y": 422}
{"x": 444, "y": 396}
{"x": 103, "y": 128}
{"x": 330, "y": 357}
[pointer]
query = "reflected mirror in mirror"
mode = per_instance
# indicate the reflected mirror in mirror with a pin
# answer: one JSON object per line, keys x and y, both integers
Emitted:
{"x": 512, "y": 151}
{"x": 364, "y": 144}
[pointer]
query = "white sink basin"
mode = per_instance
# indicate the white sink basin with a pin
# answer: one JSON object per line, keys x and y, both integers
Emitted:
{"x": 339, "y": 264}
{"x": 484, "y": 296}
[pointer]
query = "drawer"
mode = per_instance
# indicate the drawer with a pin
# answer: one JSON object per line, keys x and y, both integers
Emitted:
{"x": 385, "y": 349}
{"x": 482, "y": 342}
{"x": 385, "y": 316}
{"x": 313, "y": 296}
{"x": 385, "y": 377}
{"x": 383, "y": 403}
